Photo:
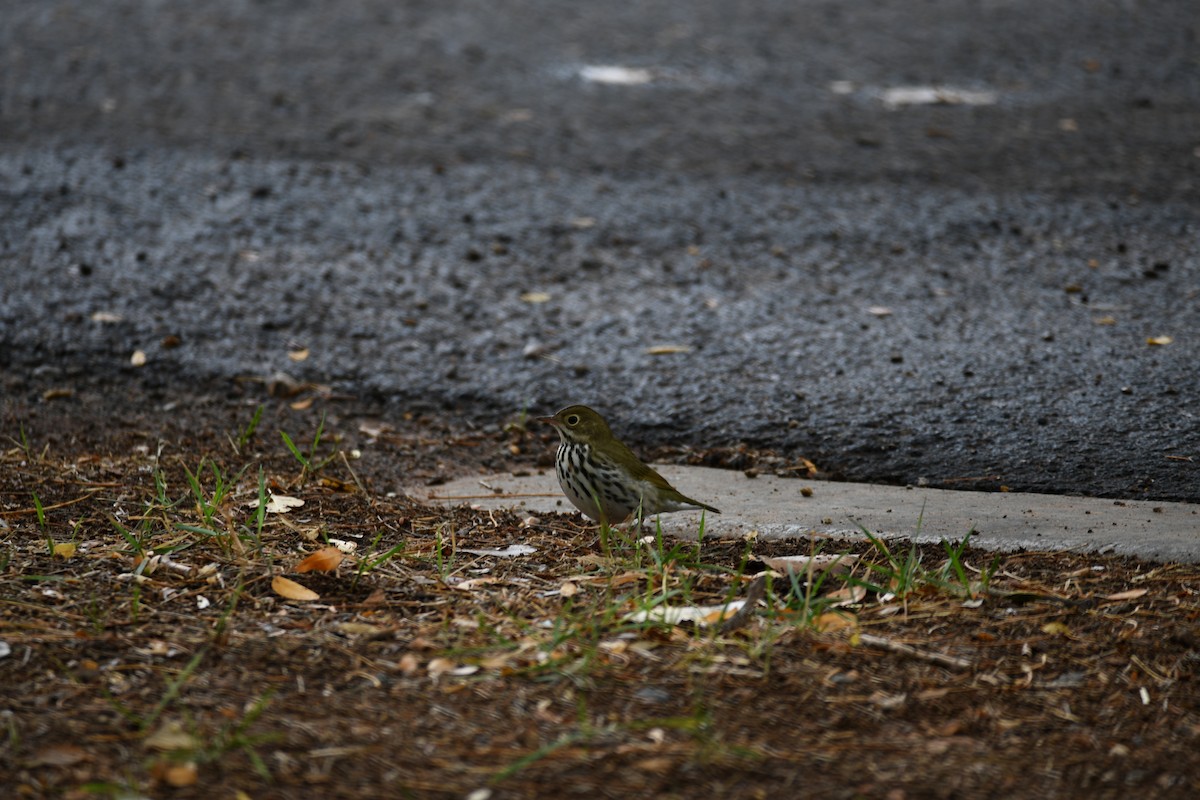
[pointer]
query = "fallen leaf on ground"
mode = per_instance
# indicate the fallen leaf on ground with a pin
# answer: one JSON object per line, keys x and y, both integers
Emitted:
{"x": 285, "y": 587}
{"x": 834, "y": 564}
{"x": 171, "y": 736}
{"x": 834, "y": 621}
{"x": 508, "y": 552}
{"x": 177, "y": 775}
{"x": 278, "y": 503}
{"x": 847, "y": 595}
{"x": 1131, "y": 594}
{"x": 439, "y": 666}
{"x": 361, "y": 629}
{"x": 64, "y": 550}
{"x": 324, "y": 560}
{"x": 675, "y": 615}
{"x": 58, "y": 755}
{"x": 472, "y": 583}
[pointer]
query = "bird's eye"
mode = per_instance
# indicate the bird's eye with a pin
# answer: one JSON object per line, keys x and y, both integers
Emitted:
{"x": 573, "y": 420}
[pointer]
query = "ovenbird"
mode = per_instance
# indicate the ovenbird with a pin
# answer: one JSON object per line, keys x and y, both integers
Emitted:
{"x": 602, "y": 477}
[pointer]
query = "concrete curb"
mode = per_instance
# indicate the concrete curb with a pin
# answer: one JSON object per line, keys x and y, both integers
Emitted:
{"x": 775, "y": 508}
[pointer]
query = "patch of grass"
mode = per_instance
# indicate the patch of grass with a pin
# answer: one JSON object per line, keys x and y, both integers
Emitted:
{"x": 902, "y": 575}
{"x": 209, "y": 505}
{"x": 805, "y": 597}
{"x": 309, "y": 463}
{"x": 236, "y": 736}
{"x": 367, "y": 563}
{"x": 247, "y": 433}
{"x": 899, "y": 574}
{"x": 444, "y": 563}
{"x": 519, "y": 424}
{"x": 234, "y": 537}
{"x": 22, "y": 441}
{"x": 135, "y": 541}
{"x": 41, "y": 523}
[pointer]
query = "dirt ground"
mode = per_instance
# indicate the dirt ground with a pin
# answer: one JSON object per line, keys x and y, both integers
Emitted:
{"x": 154, "y": 643}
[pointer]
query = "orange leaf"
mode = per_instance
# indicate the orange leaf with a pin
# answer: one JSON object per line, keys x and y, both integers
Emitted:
{"x": 292, "y": 590}
{"x": 180, "y": 775}
{"x": 324, "y": 560}
{"x": 833, "y": 621}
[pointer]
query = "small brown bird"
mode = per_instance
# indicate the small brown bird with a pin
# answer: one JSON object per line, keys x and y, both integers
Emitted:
{"x": 592, "y": 465}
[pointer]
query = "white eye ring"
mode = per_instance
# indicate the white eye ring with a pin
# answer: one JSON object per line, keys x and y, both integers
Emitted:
{"x": 573, "y": 420}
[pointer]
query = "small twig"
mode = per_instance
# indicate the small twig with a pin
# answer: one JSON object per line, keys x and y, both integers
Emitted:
{"x": 21, "y": 511}
{"x": 908, "y": 650}
{"x": 756, "y": 591}
{"x": 354, "y": 475}
{"x": 970, "y": 478}
{"x": 489, "y": 496}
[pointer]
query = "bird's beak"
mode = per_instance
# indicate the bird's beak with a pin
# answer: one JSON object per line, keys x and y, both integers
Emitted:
{"x": 548, "y": 421}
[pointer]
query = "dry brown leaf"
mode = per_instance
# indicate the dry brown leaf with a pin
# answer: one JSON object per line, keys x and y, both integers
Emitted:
{"x": 625, "y": 578}
{"x": 834, "y": 564}
{"x": 833, "y": 621}
{"x": 507, "y": 552}
{"x": 473, "y": 583}
{"x": 847, "y": 595}
{"x": 676, "y": 615}
{"x": 361, "y": 629}
{"x": 439, "y": 666}
{"x": 180, "y": 775}
{"x": 285, "y": 587}
{"x": 278, "y": 503}
{"x": 59, "y": 755}
{"x": 171, "y": 736}
{"x": 324, "y": 560}
{"x": 1131, "y": 594}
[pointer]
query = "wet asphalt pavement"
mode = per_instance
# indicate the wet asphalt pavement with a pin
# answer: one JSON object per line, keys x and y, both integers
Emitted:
{"x": 757, "y": 230}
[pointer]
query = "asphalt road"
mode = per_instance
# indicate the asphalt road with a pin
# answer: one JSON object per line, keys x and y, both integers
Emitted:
{"x": 718, "y": 222}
